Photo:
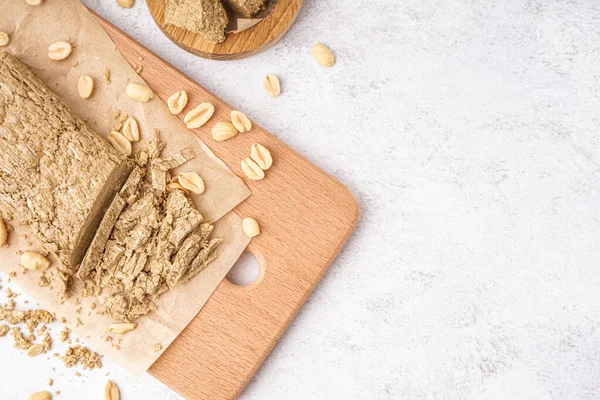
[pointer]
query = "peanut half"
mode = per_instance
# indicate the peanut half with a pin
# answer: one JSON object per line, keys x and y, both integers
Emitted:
{"x": 126, "y": 3}
{"x": 252, "y": 170}
{"x": 223, "y": 131}
{"x": 85, "y": 86}
{"x": 261, "y": 155}
{"x": 120, "y": 142}
{"x": 139, "y": 92}
{"x": 3, "y": 233}
{"x": 122, "y": 328}
{"x": 35, "y": 350}
{"x": 191, "y": 181}
{"x": 323, "y": 55}
{"x": 240, "y": 121}
{"x": 34, "y": 261}
{"x": 131, "y": 130}
{"x": 177, "y": 102}
{"x": 250, "y": 227}
{"x": 34, "y": 2}
{"x": 111, "y": 391}
{"x": 59, "y": 51}
{"x": 271, "y": 85}
{"x": 176, "y": 186}
{"x": 4, "y": 39}
{"x": 41, "y": 396}
{"x": 199, "y": 115}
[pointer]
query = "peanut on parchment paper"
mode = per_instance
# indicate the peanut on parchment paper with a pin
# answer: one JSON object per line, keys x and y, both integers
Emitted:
{"x": 85, "y": 86}
{"x": 176, "y": 186}
{"x": 59, "y": 50}
{"x": 191, "y": 181}
{"x": 3, "y": 233}
{"x": 34, "y": 261}
{"x": 131, "y": 130}
{"x": 120, "y": 142}
{"x": 139, "y": 92}
{"x": 35, "y": 350}
{"x": 4, "y": 39}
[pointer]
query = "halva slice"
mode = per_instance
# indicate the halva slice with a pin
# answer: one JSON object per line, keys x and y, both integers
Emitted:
{"x": 207, "y": 17}
{"x": 55, "y": 174}
{"x": 247, "y": 8}
{"x": 151, "y": 239}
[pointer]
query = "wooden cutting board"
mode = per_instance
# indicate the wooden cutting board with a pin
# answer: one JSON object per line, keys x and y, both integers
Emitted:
{"x": 306, "y": 216}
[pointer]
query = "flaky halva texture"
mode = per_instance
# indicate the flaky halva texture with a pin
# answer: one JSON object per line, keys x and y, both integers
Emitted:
{"x": 247, "y": 8}
{"x": 207, "y": 17}
{"x": 110, "y": 221}
{"x": 56, "y": 175}
{"x": 150, "y": 241}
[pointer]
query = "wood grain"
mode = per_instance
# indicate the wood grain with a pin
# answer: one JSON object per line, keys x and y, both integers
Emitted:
{"x": 306, "y": 216}
{"x": 239, "y": 45}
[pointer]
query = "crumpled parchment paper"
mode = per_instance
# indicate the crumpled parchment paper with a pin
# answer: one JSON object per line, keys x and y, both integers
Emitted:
{"x": 32, "y": 29}
{"x": 238, "y": 23}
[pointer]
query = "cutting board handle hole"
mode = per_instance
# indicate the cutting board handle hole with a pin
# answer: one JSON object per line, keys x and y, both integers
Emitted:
{"x": 245, "y": 271}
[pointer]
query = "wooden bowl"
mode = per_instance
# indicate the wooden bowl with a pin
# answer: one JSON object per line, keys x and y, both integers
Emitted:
{"x": 237, "y": 45}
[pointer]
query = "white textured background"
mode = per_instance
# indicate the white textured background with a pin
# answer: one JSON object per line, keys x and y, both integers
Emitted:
{"x": 469, "y": 132}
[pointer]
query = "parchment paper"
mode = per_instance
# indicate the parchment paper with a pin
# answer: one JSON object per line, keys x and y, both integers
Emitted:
{"x": 238, "y": 23}
{"x": 32, "y": 30}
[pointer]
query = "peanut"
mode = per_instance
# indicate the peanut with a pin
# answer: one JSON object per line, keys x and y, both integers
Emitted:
{"x": 3, "y": 233}
{"x": 223, "y": 131}
{"x": 34, "y": 261}
{"x": 323, "y": 55}
{"x": 4, "y": 39}
{"x": 139, "y": 92}
{"x": 120, "y": 142}
{"x": 131, "y": 130}
{"x": 59, "y": 51}
{"x": 126, "y": 3}
{"x": 177, "y": 102}
{"x": 261, "y": 155}
{"x": 191, "y": 181}
{"x": 122, "y": 328}
{"x": 85, "y": 86}
{"x": 35, "y": 350}
{"x": 199, "y": 115}
{"x": 40, "y": 396}
{"x": 240, "y": 121}
{"x": 250, "y": 227}
{"x": 111, "y": 391}
{"x": 252, "y": 170}
{"x": 271, "y": 85}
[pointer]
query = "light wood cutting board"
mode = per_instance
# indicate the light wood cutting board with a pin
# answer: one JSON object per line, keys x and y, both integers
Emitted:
{"x": 306, "y": 216}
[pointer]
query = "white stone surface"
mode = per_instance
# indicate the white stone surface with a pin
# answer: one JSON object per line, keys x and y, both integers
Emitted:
{"x": 469, "y": 132}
